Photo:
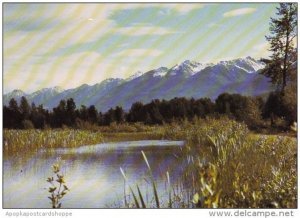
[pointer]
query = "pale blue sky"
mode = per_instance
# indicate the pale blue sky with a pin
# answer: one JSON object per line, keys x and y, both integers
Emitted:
{"x": 70, "y": 44}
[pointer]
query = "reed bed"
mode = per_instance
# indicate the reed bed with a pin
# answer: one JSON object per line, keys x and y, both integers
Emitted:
{"x": 19, "y": 141}
{"x": 229, "y": 167}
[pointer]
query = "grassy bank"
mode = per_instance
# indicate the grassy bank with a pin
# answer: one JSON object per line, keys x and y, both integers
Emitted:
{"x": 19, "y": 141}
{"x": 15, "y": 141}
{"x": 230, "y": 167}
{"x": 250, "y": 170}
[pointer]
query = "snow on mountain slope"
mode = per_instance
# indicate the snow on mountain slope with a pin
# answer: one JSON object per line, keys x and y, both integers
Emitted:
{"x": 187, "y": 68}
{"x": 134, "y": 76}
{"x": 187, "y": 79}
{"x": 247, "y": 64}
{"x": 16, "y": 94}
{"x": 46, "y": 92}
{"x": 160, "y": 72}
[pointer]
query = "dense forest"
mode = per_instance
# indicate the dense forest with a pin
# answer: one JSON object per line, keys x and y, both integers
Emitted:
{"x": 254, "y": 111}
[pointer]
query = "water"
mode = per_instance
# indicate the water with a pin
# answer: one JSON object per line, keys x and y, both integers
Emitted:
{"x": 92, "y": 173}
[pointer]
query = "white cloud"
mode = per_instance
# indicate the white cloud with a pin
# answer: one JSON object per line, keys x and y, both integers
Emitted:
{"x": 139, "y": 30}
{"x": 213, "y": 25}
{"x": 185, "y": 8}
{"x": 239, "y": 12}
{"x": 139, "y": 53}
{"x": 181, "y": 8}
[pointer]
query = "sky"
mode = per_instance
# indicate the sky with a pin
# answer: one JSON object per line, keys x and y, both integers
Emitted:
{"x": 67, "y": 45}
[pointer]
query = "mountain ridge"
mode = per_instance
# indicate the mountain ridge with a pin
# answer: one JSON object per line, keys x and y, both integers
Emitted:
{"x": 187, "y": 79}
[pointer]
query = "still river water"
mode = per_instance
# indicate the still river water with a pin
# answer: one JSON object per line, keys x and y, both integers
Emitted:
{"x": 92, "y": 173}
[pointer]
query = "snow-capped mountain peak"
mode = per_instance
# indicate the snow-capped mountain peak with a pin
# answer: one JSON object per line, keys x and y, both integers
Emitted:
{"x": 190, "y": 63}
{"x": 248, "y": 64}
{"x": 17, "y": 93}
{"x": 160, "y": 72}
{"x": 134, "y": 76}
{"x": 256, "y": 65}
{"x": 110, "y": 81}
{"x": 188, "y": 68}
{"x": 46, "y": 92}
{"x": 58, "y": 89}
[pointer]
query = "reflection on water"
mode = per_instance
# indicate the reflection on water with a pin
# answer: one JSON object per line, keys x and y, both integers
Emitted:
{"x": 92, "y": 173}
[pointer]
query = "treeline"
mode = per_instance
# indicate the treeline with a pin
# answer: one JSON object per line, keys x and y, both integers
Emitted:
{"x": 254, "y": 111}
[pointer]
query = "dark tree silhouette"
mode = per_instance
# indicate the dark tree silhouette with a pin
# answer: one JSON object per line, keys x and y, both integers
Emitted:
{"x": 119, "y": 114}
{"x": 137, "y": 112}
{"x": 15, "y": 115}
{"x": 59, "y": 114}
{"x": 156, "y": 112}
{"x": 283, "y": 32}
{"x": 25, "y": 108}
{"x": 92, "y": 114}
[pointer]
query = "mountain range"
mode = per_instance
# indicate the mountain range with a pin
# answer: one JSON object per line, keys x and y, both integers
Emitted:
{"x": 187, "y": 79}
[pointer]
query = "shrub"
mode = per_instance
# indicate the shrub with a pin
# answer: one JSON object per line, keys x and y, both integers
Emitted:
{"x": 58, "y": 188}
{"x": 283, "y": 106}
{"x": 27, "y": 124}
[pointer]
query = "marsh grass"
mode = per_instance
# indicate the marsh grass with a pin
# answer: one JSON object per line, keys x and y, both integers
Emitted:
{"x": 19, "y": 141}
{"x": 237, "y": 168}
{"x": 129, "y": 128}
{"x": 141, "y": 198}
{"x": 134, "y": 136}
{"x": 152, "y": 180}
{"x": 229, "y": 167}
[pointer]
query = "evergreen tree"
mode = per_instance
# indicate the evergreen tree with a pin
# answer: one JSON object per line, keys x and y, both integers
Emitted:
{"x": 7, "y": 117}
{"x": 119, "y": 114}
{"x": 14, "y": 116}
{"x": 25, "y": 108}
{"x": 282, "y": 66}
{"x": 209, "y": 106}
{"x": 223, "y": 103}
{"x": 92, "y": 114}
{"x": 283, "y": 31}
{"x": 70, "y": 112}
{"x": 83, "y": 113}
{"x": 59, "y": 114}
{"x": 156, "y": 117}
{"x": 137, "y": 112}
{"x": 40, "y": 117}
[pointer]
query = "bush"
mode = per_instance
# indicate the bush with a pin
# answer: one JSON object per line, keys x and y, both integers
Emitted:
{"x": 282, "y": 105}
{"x": 27, "y": 124}
{"x": 85, "y": 125}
